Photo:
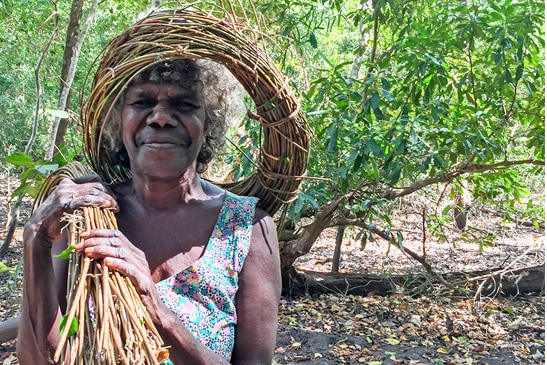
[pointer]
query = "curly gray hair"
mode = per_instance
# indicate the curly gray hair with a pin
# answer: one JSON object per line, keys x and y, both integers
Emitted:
{"x": 218, "y": 91}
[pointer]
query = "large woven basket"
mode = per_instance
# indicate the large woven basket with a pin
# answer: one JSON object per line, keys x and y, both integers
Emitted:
{"x": 189, "y": 33}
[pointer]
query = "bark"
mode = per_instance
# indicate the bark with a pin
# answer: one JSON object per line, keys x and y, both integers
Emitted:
{"x": 338, "y": 249}
{"x": 13, "y": 219}
{"x": 462, "y": 201}
{"x": 377, "y": 8}
{"x": 362, "y": 43}
{"x": 294, "y": 248}
{"x": 487, "y": 282}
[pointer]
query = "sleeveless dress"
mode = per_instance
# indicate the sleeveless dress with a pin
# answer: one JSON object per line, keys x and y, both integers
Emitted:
{"x": 203, "y": 295}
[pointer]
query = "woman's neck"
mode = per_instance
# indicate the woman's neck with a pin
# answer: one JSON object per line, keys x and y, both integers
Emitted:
{"x": 167, "y": 194}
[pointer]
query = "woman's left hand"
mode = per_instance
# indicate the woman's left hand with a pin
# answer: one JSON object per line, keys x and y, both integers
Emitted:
{"x": 119, "y": 254}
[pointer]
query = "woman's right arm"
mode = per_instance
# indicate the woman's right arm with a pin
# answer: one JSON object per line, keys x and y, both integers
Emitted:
{"x": 44, "y": 276}
{"x": 38, "y": 334}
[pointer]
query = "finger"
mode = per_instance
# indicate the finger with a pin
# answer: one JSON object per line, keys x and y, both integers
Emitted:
{"x": 99, "y": 237}
{"x": 75, "y": 201}
{"x": 73, "y": 194}
{"x": 95, "y": 251}
{"x": 103, "y": 233}
{"x": 121, "y": 266}
{"x": 120, "y": 253}
{"x": 82, "y": 184}
{"x": 94, "y": 195}
{"x": 137, "y": 277}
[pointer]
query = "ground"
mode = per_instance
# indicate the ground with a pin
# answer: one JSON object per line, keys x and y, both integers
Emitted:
{"x": 432, "y": 327}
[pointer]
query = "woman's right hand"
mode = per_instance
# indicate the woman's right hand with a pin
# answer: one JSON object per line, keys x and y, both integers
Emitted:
{"x": 68, "y": 196}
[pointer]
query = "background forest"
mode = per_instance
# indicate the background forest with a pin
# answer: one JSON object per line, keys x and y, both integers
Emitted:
{"x": 441, "y": 103}
{"x": 433, "y": 108}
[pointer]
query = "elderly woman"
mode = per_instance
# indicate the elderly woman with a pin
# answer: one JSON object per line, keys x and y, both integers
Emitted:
{"x": 204, "y": 261}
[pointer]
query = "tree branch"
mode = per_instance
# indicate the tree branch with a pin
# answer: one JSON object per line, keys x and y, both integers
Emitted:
{"x": 464, "y": 169}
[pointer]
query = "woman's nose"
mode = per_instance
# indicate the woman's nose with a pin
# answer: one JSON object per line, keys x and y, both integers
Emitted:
{"x": 161, "y": 116}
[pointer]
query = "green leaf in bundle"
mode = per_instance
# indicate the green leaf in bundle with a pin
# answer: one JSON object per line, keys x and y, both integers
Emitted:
{"x": 73, "y": 326}
{"x": 66, "y": 253}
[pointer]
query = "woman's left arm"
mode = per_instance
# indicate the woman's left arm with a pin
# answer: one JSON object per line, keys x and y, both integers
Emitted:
{"x": 257, "y": 299}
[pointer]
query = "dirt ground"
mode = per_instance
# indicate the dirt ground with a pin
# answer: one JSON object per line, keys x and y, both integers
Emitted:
{"x": 436, "y": 327}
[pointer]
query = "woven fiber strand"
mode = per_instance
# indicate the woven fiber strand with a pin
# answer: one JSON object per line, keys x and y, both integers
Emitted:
{"x": 184, "y": 33}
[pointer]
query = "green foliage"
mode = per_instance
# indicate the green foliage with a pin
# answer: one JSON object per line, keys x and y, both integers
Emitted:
{"x": 14, "y": 275}
{"x": 33, "y": 173}
{"x": 23, "y": 36}
{"x": 449, "y": 85}
{"x": 4, "y": 268}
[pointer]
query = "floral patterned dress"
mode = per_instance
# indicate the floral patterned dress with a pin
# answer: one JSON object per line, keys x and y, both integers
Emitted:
{"x": 203, "y": 295}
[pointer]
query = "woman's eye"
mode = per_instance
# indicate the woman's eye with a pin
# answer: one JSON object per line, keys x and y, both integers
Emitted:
{"x": 143, "y": 103}
{"x": 184, "y": 106}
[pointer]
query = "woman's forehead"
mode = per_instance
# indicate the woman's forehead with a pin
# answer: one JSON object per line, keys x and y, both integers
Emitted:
{"x": 153, "y": 89}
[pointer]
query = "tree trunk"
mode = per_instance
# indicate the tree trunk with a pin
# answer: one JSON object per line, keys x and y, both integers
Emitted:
{"x": 293, "y": 249}
{"x": 338, "y": 249}
{"x": 73, "y": 46}
{"x": 490, "y": 282}
{"x": 462, "y": 201}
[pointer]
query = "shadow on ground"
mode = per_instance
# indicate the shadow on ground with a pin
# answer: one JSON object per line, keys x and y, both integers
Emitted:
{"x": 302, "y": 347}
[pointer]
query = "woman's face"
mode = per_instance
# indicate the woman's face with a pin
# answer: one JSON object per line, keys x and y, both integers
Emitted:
{"x": 163, "y": 129}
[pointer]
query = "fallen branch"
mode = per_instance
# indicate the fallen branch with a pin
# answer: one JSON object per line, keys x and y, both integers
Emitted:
{"x": 495, "y": 278}
{"x": 8, "y": 329}
{"x": 515, "y": 282}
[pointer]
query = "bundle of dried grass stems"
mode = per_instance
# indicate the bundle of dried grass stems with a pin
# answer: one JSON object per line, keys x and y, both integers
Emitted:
{"x": 191, "y": 34}
{"x": 115, "y": 328}
{"x": 106, "y": 322}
